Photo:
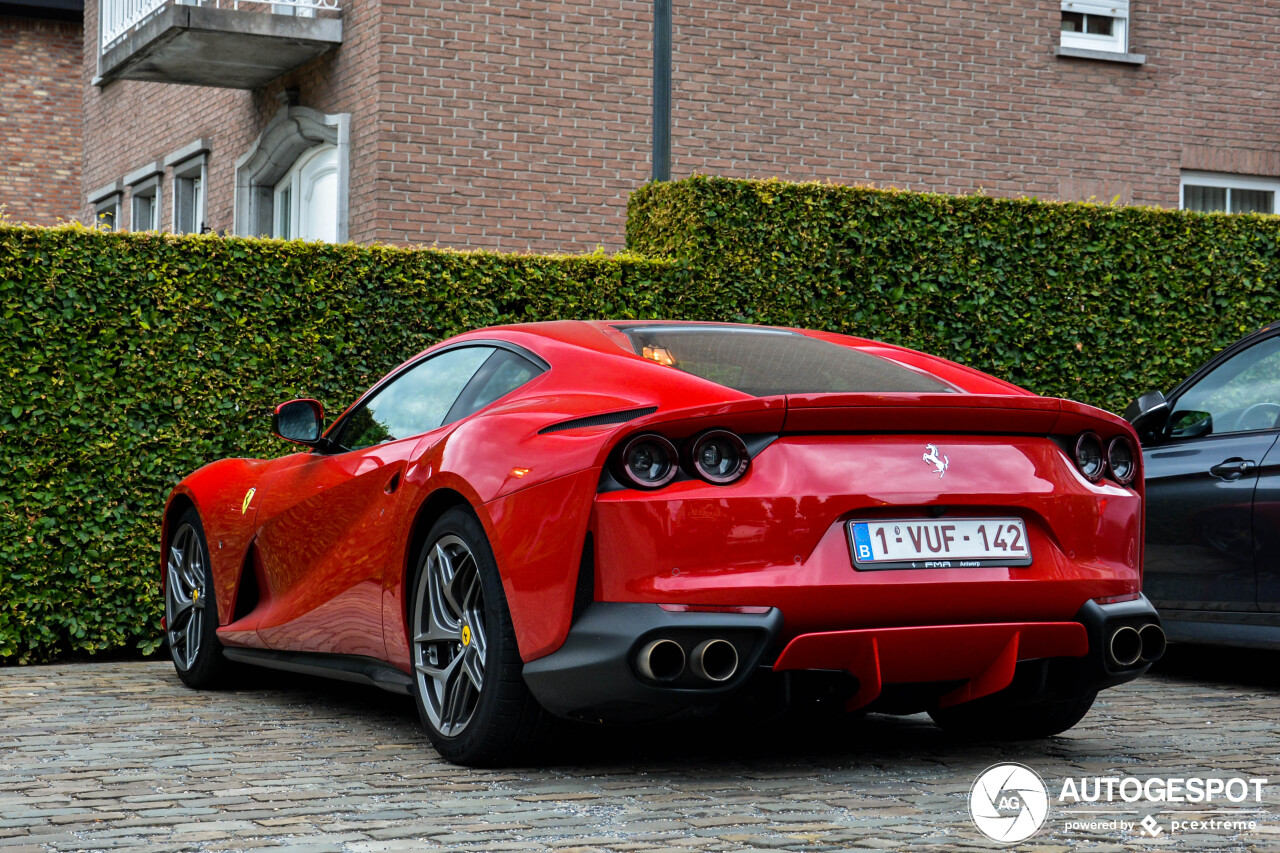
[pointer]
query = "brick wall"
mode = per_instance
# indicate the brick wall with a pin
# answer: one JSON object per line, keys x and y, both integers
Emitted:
{"x": 969, "y": 97}
{"x": 130, "y": 123}
{"x": 39, "y": 120}
{"x": 514, "y": 125}
{"x": 524, "y": 124}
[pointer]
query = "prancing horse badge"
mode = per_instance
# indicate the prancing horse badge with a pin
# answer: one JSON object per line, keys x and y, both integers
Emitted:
{"x": 939, "y": 462}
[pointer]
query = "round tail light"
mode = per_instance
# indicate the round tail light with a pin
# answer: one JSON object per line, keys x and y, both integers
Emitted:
{"x": 718, "y": 456}
{"x": 1089, "y": 456}
{"x": 1122, "y": 459}
{"x": 648, "y": 461}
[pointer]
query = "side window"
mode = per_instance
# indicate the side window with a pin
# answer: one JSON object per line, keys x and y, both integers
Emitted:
{"x": 1240, "y": 395}
{"x": 416, "y": 401}
{"x": 504, "y": 372}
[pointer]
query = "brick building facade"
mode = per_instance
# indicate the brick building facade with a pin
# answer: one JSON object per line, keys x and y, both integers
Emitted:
{"x": 40, "y": 104}
{"x": 524, "y": 124}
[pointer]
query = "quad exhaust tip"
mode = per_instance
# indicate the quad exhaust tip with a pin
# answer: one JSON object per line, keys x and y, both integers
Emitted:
{"x": 1126, "y": 646}
{"x": 664, "y": 660}
{"x": 661, "y": 660}
{"x": 714, "y": 660}
{"x": 1153, "y": 642}
{"x": 1130, "y": 645}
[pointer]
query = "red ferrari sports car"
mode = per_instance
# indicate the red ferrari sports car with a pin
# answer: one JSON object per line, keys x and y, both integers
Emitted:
{"x": 629, "y": 521}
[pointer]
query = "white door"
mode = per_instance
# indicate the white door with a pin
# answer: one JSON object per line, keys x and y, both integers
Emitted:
{"x": 306, "y": 199}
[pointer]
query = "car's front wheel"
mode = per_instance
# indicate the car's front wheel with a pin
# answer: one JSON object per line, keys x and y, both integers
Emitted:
{"x": 998, "y": 719}
{"x": 467, "y": 669}
{"x": 190, "y": 609}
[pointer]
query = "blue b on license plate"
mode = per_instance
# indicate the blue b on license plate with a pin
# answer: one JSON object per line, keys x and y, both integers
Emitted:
{"x": 943, "y": 543}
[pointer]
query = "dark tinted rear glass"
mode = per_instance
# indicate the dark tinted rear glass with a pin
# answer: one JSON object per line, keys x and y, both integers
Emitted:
{"x": 764, "y": 362}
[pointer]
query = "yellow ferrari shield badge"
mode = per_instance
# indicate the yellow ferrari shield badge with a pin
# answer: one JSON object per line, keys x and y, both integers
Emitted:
{"x": 248, "y": 496}
{"x": 466, "y": 635}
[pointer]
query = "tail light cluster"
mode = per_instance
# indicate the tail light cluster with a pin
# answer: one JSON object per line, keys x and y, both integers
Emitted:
{"x": 651, "y": 461}
{"x": 1118, "y": 458}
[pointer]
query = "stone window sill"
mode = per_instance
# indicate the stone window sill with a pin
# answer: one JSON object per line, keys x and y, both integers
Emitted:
{"x": 1102, "y": 55}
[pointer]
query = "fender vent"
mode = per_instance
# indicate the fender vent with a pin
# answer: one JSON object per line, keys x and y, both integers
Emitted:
{"x": 585, "y": 591}
{"x": 599, "y": 420}
{"x": 247, "y": 594}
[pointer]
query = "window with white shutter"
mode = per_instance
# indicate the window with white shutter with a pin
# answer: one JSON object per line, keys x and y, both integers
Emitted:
{"x": 1093, "y": 25}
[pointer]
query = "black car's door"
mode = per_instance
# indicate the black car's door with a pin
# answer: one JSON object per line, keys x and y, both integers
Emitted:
{"x": 1266, "y": 530}
{"x": 1202, "y": 476}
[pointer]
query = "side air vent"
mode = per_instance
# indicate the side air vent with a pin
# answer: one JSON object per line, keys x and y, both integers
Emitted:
{"x": 599, "y": 420}
{"x": 247, "y": 594}
{"x": 585, "y": 592}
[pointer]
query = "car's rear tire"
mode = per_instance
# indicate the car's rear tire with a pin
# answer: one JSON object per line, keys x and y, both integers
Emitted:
{"x": 468, "y": 681}
{"x": 996, "y": 718}
{"x": 190, "y": 607}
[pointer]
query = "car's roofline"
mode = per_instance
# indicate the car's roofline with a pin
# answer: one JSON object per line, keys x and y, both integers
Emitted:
{"x": 609, "y": 338}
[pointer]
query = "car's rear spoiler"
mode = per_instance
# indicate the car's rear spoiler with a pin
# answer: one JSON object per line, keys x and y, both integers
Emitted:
{"x": 944, "y": 413}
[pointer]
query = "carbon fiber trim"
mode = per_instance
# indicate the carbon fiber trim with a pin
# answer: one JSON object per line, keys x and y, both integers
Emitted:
{"x": 599, "y": 420}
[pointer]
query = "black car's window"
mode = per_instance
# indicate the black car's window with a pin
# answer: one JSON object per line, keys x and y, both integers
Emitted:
{"x": 504, "y": 372}
{"x": 1240, "y": 395}
{"x": 414, "y": 402}
{"x": 764, "y": 362}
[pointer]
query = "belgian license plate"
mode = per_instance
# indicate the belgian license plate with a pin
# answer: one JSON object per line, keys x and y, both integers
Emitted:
{"x": 944, "y": 543}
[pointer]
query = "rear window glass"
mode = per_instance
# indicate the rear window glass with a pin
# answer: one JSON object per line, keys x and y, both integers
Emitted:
{"x": 765, "y": 362}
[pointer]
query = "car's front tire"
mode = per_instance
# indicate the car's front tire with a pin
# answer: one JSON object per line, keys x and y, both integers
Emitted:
{"x": 190, "y": 607}
{"x": 996, "y": 718}
{"x": 468, "y": 685}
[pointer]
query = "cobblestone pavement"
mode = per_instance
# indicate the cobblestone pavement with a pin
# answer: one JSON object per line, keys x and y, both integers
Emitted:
{"x": 121, "y": 755}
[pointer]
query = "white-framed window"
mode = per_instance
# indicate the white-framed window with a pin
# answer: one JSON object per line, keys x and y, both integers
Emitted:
{"x": 144, "y": 205}
{"x": 106, "y": 212}
{"x": 305, "y": 203}
{"x": 105, "y": 201}
{"x": 1096, "y": 25}
{"x": 189, "y": 182}
{"x": 1210, "y": 192}
{"x": 293, "y": 180}
{"x": 144, "y": 197}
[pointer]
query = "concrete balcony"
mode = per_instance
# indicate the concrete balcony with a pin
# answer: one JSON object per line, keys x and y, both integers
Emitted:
{"x": 231, "y": 44}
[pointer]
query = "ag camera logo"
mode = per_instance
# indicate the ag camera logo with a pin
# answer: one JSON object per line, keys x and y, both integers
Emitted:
{"x": 1009, "y": 802}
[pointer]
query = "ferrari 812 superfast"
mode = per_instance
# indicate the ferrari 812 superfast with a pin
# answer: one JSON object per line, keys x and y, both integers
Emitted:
{"x": 634, "y": 521}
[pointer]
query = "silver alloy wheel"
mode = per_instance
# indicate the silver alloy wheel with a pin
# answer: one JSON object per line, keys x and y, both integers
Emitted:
{"x": 449, "y": 642}
{"x": 184, "y": 596}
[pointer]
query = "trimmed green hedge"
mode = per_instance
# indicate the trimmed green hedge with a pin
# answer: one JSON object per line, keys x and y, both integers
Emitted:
{"x": 132, "y": 359}
{"x": 1085, "y": 301}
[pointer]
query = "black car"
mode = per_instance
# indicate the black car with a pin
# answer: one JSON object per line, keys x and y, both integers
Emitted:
{"x": 1213, "y": 497}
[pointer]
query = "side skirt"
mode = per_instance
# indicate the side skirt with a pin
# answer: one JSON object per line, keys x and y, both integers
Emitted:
{"x": 1217, "y": 628}
{"x": 361, "y": 670}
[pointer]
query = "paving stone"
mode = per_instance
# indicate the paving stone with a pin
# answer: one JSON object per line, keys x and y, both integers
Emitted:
{"x": 120, "y": 756}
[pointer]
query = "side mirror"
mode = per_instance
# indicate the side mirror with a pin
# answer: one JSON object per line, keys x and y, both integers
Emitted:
{"x": 1189, "y": 424}
{"x": 298, "y": 421}
{"x": 1148, "y": 414}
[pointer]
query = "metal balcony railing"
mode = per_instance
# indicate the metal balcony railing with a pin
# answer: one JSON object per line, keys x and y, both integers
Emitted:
{"x": 118, "y": 17}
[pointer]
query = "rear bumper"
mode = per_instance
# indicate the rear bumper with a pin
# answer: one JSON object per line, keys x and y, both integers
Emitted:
{"x": 595, "y": 674}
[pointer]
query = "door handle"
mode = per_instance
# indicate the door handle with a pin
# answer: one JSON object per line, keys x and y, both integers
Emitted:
{"x": 1233, "y": 468}
{"x": 392, "y": 484}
